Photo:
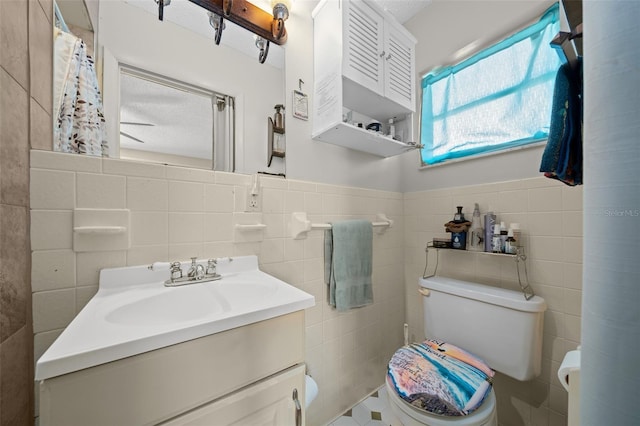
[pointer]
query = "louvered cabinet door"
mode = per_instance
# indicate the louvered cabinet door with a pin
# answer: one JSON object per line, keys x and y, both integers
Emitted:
{"x": 363, "y": 46}
{"x": 399, "y": 77}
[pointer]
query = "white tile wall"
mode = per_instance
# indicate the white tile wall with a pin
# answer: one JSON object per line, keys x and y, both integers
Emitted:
{"x": 100, "y": 191}
{"x": 177, "y": 213}
{"x": 55, "y": 269}
{"x": 52, "y": 189}
{"x": 51, "y": 229}
{"x": 550, "y": 215}
{"x": 147, "y": 194}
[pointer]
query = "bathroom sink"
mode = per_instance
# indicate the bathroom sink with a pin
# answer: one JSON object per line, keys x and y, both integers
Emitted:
{"x": 240, "y": 292}
{"x": 133, "y": 312}
{"x": 172, "y": 306}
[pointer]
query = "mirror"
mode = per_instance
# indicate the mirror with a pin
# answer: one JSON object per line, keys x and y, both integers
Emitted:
{"x": 166, "y": 121}
{"x": 180, "y": 51}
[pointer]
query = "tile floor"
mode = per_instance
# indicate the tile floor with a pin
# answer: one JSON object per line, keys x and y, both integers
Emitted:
{"x": 372, "y": 411}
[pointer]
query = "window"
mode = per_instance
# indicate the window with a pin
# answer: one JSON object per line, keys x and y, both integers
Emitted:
{"x": 497, "y": 99}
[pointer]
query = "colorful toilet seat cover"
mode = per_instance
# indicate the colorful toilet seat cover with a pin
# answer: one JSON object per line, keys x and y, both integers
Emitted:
{"x": 440, "y": 378}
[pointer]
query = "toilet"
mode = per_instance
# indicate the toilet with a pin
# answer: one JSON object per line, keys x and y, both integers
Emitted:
{"x": 497, "y": 325}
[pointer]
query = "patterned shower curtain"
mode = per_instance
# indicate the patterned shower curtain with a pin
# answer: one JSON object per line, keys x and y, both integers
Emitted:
{"x": 79, "y": 125}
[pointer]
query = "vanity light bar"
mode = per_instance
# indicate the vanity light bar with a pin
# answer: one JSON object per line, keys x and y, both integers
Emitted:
{"x": 242, "y": 13}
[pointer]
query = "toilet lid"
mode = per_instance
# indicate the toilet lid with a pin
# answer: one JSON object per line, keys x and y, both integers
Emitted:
{"x": 439, "y": 378}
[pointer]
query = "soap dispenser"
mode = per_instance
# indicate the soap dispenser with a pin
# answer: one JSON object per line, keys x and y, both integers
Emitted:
{"x": 459, "y": 230}
{"x": 476, "y": 234}
{"x": 278, "y": 118}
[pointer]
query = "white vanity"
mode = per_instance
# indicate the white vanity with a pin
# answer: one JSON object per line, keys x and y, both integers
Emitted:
{"x": 140, "y": 353}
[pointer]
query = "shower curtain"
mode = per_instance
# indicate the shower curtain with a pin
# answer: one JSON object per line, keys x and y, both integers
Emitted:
{"x": 79, "y": 125}
{"x": 223, "y": 133}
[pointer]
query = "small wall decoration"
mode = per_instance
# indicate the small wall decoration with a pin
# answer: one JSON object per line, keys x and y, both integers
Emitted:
{"x": 300, "y": 105}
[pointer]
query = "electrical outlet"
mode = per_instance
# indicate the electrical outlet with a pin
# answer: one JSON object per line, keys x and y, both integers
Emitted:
{"x": 253, "y": 195}
{"x": 253, "y": 202}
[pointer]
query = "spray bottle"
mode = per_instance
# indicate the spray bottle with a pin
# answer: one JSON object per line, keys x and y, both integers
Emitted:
{"x": 476, "y": 234}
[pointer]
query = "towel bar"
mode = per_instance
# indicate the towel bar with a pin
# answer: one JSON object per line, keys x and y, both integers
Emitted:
{"x": 300, "y": 225}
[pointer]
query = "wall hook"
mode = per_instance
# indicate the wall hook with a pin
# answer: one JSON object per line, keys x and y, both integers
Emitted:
{"x": 300, "y": 83}
{"x": 217, "y": 22}
{"x": 263, "y": 45}
{"x": 161, "y": 5}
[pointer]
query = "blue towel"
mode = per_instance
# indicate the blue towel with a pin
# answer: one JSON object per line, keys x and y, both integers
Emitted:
{"x": 348, "y": 258}
{"x": 562, "y": 158}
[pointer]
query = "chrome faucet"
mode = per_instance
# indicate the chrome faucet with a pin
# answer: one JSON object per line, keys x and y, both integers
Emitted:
{"x": 196, "y": 273}
{"x": 193, "y": 269}
{"x": 176, "y": 271}
{"x": 211, "y": 267}
{"x": 199, "y": 272}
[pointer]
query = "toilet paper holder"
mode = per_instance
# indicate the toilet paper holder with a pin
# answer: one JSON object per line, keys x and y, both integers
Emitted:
{"x": 569, "y": 375}
{"x": 571, "y": 362}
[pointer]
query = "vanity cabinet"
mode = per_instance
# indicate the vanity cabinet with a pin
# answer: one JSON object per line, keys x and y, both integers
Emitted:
{"x": 246, "y": 375}
{"x": 274, "y": 401}
{"x": 364, "y": 71}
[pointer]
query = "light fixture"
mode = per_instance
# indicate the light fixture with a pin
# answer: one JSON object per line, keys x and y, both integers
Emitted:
{"x": 269, "y": 28}
{"x": 280, "y": 14}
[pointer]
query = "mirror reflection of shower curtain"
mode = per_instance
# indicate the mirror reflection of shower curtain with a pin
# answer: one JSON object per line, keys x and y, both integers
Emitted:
{"x": 223, "y": 133}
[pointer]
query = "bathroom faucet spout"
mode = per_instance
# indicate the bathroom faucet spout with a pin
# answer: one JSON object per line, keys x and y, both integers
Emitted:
{"x": 195, "y": 274}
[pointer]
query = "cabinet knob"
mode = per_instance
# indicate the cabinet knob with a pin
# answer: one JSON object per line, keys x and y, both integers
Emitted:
{"x": 382, "y": 54}
{"x": 388, "y": 56}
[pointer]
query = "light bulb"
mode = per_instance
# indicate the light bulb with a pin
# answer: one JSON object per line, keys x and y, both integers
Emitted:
{"x": 281, "y": 9}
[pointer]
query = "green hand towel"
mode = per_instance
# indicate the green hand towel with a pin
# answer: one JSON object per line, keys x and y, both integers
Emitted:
{"x": 348, "y": 258}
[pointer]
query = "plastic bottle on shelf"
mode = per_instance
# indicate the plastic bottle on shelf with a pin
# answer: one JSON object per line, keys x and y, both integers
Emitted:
{"x": 489, "y": 221}
{"x": 503, "y": 236}
{"x": 496, "y": 241}
{"x": 459, "y": 239}
{"x": 510, "y": 244}
{"x": 392, "y": 129}
{"x": 517, "y": 235}
{"x": 476, "y": 234}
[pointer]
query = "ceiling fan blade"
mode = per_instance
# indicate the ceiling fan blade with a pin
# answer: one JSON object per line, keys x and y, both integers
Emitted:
{"x": 131, "y": 137}
{"x": 134, "y": 123}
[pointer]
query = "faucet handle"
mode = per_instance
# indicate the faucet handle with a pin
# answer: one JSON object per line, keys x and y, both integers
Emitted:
{"x": 199, "y": 272}
{"x": 176, "y": 270}
{"x": 211, "y": 266}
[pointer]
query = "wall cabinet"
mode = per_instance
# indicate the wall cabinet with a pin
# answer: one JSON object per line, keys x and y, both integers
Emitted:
{"x": 364, "y": 71}
{"x": 245, "y": 375}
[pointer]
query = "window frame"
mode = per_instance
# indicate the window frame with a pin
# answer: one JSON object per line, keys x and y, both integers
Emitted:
{"x": 551, "y": 14}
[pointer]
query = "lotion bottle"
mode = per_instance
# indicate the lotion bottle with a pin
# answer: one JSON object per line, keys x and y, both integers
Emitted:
{"x": 496, "y": 242}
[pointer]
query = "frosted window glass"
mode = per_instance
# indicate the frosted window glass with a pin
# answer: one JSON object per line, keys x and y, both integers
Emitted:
{"x": 497, "y": 99}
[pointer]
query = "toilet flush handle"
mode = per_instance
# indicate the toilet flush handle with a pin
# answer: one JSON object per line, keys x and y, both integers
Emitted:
{"x": 424, "y": 291}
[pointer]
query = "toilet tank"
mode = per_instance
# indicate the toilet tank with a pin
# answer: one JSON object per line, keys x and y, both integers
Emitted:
{"x": 496, "y": 324}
